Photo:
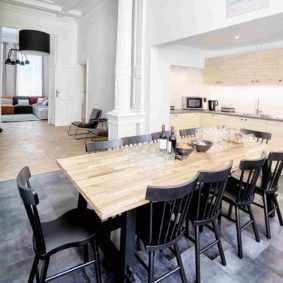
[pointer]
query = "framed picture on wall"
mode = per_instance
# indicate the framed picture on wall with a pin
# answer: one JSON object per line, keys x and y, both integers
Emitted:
{"x": 240, "y": 7}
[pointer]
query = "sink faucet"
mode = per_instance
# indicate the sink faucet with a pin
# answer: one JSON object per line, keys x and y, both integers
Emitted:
{"x": 258, "y": 110}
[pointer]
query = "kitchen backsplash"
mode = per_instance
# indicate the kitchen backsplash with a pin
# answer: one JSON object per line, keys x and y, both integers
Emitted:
{"x": 186, "y": 82}
{"x": 245, "y": 98}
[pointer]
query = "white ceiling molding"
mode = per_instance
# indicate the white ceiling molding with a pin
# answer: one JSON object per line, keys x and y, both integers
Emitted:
{"x": 70, "y": 8}
{"x": 10, "y": 6}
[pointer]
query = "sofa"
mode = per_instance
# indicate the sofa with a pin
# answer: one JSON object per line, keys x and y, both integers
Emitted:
{"x": 40, "y": 111}
{"x": 21, "y": 108}
{"x": 7, "y": 106}
{"x": 25, "y": 105}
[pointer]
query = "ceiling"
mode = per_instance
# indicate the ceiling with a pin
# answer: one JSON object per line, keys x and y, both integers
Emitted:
{"x": 73, "y": 8}
{"x": 257, "y": 32}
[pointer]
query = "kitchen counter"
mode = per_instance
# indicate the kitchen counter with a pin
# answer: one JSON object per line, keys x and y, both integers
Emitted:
{"x": 237, "y": 114}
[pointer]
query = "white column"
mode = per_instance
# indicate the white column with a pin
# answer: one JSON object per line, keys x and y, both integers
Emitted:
{"x": 139, "y": 69}
{"x": 123, "y": 69}
{"x": 122, "y": 121}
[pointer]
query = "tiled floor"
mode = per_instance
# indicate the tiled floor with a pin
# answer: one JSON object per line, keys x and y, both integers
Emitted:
{"x": 262, "y": 262}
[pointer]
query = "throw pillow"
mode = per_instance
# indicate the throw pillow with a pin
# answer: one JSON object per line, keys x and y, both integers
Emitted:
{"x": 40, "y": 100}
{"x": 7, "y": 101}
{"x": 45, "y": 102}
{"x": 23, "y": 102}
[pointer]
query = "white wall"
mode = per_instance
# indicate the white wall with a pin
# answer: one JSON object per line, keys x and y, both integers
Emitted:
{"x": 186, "y": 82}
{"x": 162, "y": 59}
{"x": 183, "y": 18}
{"x": 97, "y": 32}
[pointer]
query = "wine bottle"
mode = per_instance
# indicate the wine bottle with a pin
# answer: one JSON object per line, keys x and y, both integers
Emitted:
{"x": 172, "y": 141}
{"x": 163, "y": 140}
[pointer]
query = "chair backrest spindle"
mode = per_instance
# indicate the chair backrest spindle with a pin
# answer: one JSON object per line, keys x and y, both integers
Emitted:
{"x": 168, "y": 210}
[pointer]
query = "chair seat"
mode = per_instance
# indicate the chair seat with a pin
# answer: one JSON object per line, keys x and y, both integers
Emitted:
{"x": 71, "y": 228}
{"x": 84, "y": 125}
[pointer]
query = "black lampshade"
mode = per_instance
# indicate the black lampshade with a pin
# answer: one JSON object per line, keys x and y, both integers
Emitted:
{"x": 27, "y": 62}
{"x": 34, "y": 42}
{"x": 22, "y": 63}
{"x": 18, "y": 61}
{"x": 13, "y": 63}
{"x": 8, "y": 61}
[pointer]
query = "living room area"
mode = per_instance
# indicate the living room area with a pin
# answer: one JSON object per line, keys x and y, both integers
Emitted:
{"x": 25, "y": 82}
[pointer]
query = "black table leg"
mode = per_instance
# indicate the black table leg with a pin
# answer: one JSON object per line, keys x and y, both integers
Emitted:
{"x": 128, "y": 245}
{"x": 82, "y": 203}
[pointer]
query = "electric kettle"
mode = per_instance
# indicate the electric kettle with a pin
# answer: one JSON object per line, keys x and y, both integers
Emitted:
{"x": 212, "y": 104}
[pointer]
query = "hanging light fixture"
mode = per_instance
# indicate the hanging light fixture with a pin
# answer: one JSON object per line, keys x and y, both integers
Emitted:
{"x": 34, "y": 42}
{"x": 8, "y": 61}
{"x": 15, "y": 53}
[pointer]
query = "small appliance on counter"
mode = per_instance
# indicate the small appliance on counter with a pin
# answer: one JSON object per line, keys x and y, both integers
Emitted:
{"x": 212, "y": 104}
{"x": 228, "y": 109}
{"x": 194, "y": 103}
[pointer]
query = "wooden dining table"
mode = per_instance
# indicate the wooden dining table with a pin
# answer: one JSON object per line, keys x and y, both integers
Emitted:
{"x": 112, "y": 185}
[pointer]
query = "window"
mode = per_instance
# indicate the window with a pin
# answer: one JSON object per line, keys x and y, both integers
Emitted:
{"x": 29, "y": 77}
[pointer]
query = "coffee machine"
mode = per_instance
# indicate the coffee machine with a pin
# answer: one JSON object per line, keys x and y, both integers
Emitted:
{"x": 212, "y": 104}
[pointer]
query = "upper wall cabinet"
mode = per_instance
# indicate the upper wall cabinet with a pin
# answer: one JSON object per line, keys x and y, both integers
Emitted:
{"x": 220, "y": 70}
{"x": 245, "y": 69}
{"x": 263, "y": 67}
{"x": 280, "y": 66}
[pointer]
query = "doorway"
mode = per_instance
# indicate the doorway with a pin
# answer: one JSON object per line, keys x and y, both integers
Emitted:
{"x": 84, "y": 92}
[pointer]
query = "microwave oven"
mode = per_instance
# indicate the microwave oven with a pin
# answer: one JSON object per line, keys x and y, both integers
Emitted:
{"x": 194, "y": 102}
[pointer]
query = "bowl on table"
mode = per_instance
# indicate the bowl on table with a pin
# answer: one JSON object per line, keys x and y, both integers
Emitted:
{"x": 201, "y": 145}
{"x": 184, "y": 149}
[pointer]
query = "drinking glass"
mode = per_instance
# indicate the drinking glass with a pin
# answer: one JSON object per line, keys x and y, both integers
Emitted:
{"x": 170, "y": 158}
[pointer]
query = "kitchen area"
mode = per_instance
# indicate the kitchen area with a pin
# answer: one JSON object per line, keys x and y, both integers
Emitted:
{"x": 243, "y": 90}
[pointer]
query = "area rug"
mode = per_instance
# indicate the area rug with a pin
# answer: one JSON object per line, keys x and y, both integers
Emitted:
{"x": 18, "y": 118}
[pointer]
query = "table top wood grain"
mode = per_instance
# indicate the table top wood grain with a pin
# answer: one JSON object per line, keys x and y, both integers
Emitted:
{"x": 111, "y": 184}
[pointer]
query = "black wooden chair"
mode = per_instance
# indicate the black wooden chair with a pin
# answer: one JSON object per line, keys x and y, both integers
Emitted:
{"x": 260, "y": 136}
{"x": 267, "y": 188}
{"x": 239, "y": 193}
{"x": 156, "y": 136}
{"x": 160, "y": 224}
{"x": 91, "y": 124}
{"x": 186, "y": 133}
{"x": 75, "y": 228}
{"x": 137, "y": 139}
{"x": 103, "y": 145}
{"x": 205, "y": 210}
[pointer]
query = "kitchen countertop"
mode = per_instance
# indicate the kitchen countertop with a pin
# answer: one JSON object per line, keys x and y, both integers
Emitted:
{"x": 236, "y": 114}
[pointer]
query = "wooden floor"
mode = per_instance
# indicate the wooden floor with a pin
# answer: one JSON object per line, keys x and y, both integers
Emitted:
{"x": 35, "y": 144}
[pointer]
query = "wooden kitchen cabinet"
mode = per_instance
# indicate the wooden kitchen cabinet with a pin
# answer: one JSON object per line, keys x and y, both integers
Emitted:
{"x": 267, "y": 63}
{"x": 237, "y": 122}
{"x": 245, "y": 69}
{"x": 220, "y": 70}
{"x": 262, "y": 67}
{"x": 280, "y": 66}
{"x": 276, "y": 129}
{"x": 209, "y": 120}
{"x": 184, "y": 121}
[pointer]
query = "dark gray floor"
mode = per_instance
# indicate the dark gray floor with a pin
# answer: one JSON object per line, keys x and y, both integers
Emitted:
{"x": 263, "y": 262}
